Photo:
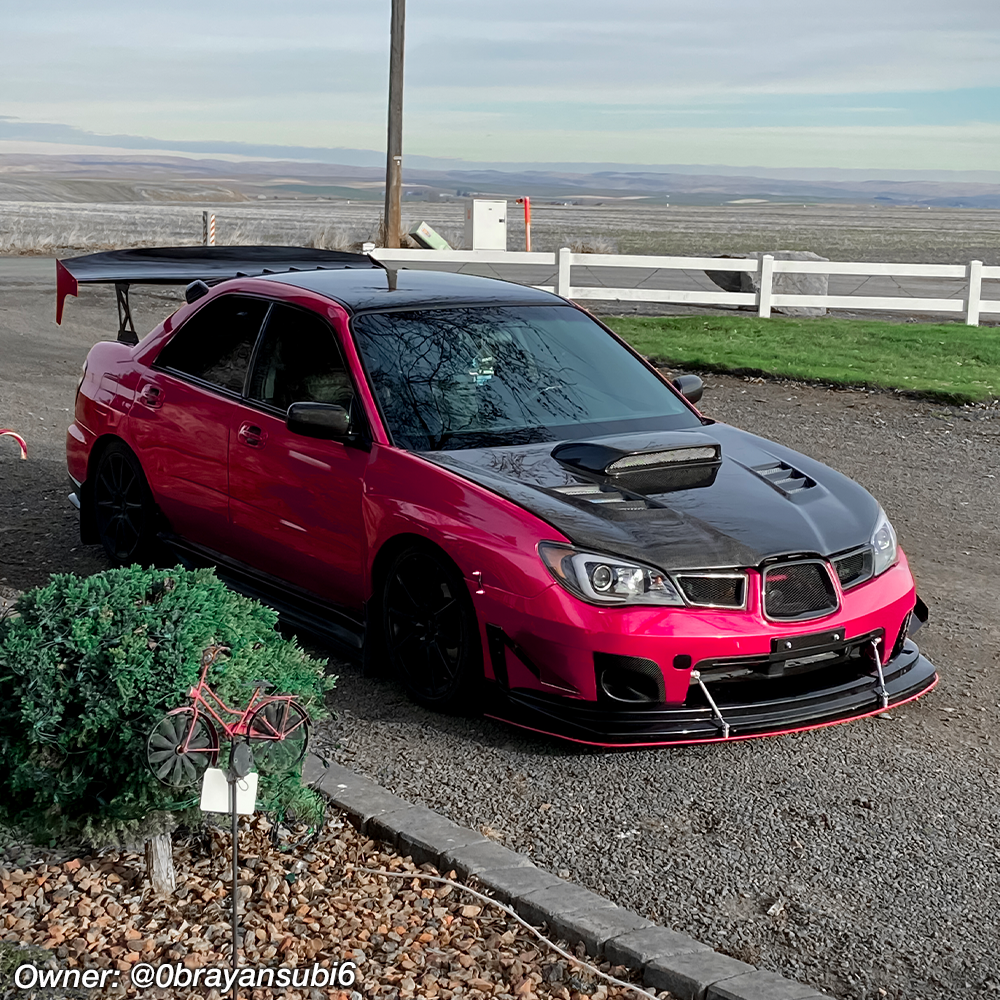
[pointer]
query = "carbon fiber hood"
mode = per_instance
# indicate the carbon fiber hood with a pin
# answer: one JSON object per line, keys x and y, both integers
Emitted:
{"x": 764, "y": 500}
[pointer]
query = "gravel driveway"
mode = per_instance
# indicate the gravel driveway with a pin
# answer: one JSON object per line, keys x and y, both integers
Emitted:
{"x": 860, "y": 859}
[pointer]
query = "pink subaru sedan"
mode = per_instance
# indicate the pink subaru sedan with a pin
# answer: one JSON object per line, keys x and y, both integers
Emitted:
{"x": 479, "y": 485}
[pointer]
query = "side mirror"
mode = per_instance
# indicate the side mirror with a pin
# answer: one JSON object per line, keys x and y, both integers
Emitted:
{"x": 318, "y": 420}
{"x": 690, "y": 387}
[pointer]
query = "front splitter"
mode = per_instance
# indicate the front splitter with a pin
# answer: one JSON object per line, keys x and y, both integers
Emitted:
{"x": 908, "y": 676}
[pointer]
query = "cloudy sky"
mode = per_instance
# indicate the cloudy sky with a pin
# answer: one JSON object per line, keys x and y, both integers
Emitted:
{"x": 775, "y": 83}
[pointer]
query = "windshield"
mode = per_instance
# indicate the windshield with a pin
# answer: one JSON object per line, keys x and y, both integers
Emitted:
{"x": 477, "y": 377}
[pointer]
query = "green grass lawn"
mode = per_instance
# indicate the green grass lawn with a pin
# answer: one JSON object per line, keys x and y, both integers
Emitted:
{"x": 949, "y": 361}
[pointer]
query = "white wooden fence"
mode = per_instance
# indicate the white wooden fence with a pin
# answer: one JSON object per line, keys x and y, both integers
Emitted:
{"x": 971, "y": 304}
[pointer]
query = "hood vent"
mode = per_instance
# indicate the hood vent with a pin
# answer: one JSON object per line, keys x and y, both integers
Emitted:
{"x": 784, "y": 478}
{"x": 608, "y": 499}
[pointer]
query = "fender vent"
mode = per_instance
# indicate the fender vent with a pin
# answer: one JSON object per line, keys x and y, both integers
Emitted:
{"x": 784, "y": 478}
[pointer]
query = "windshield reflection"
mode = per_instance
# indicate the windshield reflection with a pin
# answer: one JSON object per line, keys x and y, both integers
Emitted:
{"x": 473, "y": 377}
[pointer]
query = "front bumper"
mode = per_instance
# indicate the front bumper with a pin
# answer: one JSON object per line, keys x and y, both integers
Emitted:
{"x": 809, "y": 702}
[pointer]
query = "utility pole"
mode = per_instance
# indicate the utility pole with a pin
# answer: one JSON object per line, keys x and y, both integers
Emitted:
{"x": 394, "y": 154}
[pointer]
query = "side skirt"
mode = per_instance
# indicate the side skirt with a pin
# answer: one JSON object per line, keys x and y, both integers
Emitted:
{"x": 300, "y": 609}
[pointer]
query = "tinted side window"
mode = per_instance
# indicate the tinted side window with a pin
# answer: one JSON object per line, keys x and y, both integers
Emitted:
{"x": 299, "y": 361}
{"x": 216, "y": 343}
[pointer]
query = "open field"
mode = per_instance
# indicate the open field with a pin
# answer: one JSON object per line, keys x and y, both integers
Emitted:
{"x": 948, "y": 361}
{"x": 840, "y": 232}
{"x": 859, "y": 858}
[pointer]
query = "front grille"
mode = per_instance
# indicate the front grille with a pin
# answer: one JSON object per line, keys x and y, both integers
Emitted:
{"x": 714, "y": 590}
{"x": 854, "y": 568}
{"x": 795, "y": 591}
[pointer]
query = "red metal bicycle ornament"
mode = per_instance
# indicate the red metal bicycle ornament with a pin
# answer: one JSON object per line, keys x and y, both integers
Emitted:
{"x": 17, "y": 437}
{"x": 186, "y": 741}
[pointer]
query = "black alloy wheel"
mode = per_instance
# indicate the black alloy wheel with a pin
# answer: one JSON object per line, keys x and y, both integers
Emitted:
{"x": 431, "y": 632}
{"x": 123, "y": 506}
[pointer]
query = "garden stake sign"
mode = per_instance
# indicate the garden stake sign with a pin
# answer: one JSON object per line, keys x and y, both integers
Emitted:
{"x": 239, "y": 797}
{"x": 18, "y": 439}
{"x": 183, "y": 747}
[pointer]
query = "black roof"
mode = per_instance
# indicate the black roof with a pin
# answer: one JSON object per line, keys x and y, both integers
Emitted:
{"x": 363, "y": 290}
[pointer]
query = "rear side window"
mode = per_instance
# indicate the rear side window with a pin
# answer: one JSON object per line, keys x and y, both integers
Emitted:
{"x": 215, "y": 345}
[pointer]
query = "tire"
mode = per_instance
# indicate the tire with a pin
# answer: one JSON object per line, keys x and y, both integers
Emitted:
{"x": 124, "y": 511}
{"x": 172, "y": 765}
{"x": 278, "y": 734}
{"x": 430, "y": 631}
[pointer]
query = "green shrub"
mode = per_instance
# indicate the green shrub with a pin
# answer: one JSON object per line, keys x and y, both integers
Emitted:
{"x": 91, "y": 664}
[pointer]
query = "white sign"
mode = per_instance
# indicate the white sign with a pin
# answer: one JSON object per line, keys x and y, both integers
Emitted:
{"x": 215, "y": 792}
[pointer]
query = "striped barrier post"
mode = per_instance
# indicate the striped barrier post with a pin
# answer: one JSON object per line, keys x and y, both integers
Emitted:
{"x": 211, "y": 230}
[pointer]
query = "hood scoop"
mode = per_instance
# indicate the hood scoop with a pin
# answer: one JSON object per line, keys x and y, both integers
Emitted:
{"x": 669, "y": 462}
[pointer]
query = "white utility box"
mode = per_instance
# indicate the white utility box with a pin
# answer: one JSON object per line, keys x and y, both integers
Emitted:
{"x": 485, "y": 225}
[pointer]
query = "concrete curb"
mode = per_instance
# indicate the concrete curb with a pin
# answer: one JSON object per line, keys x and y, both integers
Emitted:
{"x": 665, "y": 959}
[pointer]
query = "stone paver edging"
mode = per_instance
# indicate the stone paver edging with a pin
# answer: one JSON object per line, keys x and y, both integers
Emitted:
{"x": 665, "y": 959}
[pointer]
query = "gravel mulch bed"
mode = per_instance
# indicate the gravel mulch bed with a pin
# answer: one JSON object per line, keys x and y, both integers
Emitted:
{"x": 301, "y": 905}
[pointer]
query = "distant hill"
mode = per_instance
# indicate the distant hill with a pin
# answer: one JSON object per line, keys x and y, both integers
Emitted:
{"x": 154, "y": 177}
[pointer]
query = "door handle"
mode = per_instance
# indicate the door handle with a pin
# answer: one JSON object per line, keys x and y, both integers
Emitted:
{"x": 152, "y": 396}
{"x": 252, "y": 435}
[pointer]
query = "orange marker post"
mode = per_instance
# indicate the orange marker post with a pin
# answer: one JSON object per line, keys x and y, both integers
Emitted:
{"x": 526, "y": 201}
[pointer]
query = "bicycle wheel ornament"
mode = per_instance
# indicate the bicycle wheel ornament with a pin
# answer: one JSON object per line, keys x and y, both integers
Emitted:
{"x": 180, "y": 747}
{"x": 278, "y": 733}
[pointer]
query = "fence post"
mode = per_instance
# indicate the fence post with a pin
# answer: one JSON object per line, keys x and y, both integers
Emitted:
{"x": 974, "y": 273}
{"x": 562, "y": 275}
{"x": 764, "y": 291}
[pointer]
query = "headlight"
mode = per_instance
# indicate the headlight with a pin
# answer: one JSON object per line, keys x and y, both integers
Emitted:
{"x": 883, "y": 542}
{"x": 603, "y": 579}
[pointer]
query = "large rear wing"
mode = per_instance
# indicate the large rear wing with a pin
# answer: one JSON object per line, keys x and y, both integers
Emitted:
{"x": 182, "y": 265}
